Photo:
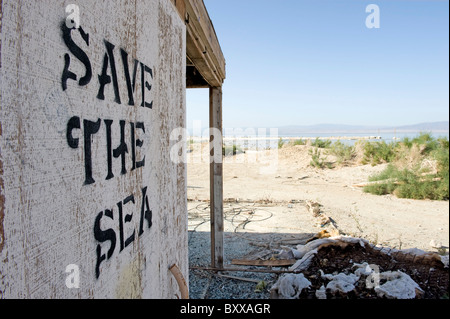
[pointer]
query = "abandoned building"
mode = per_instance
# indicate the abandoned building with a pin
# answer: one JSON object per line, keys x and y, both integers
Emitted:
{"x": 91, "y": 205}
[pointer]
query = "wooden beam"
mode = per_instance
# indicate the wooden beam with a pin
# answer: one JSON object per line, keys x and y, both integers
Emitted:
{"x": 197, "y": 52}
{"x": 194, "y": 80}
{"x": 196, "y": 9}
{"x": 216, "y": 177}
{"x": 202, "y": 45}
{"x": 265, "y": 263}
{"x": 181, "y": 8}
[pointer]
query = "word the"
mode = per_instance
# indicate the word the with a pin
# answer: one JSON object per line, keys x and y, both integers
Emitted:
{"x": 91, "y": 128}
{"x": 109, "y": 235}
{"x": 73, "y": 279}
{"x": 247, "y": 308}
{"x": 373, "y": 19}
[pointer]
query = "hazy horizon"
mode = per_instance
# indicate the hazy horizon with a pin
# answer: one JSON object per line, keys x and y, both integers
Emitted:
{"x": 436, "y": 126}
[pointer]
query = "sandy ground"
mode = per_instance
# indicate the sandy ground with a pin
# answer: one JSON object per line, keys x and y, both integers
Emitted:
{"x": 285, "y": 181}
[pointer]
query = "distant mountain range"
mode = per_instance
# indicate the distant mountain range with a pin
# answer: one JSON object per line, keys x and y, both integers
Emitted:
{"x": 436, "y": 127}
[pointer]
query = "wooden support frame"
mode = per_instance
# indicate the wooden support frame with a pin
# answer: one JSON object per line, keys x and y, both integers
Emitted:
{"x": 216, "y": 177}
{"x": 206, "y": 68}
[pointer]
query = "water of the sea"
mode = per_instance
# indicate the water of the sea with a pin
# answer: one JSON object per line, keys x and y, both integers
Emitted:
{"x": 267, "y": 141}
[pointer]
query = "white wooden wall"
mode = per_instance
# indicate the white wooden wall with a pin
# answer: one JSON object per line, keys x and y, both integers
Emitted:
{"x": 82, "y": 163}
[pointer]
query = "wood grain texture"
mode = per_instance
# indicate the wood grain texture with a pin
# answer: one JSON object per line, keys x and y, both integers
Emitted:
{"x": 50, "y": 217}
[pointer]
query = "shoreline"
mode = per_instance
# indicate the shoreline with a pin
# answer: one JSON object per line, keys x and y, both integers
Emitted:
{"x": 206, "y": 139}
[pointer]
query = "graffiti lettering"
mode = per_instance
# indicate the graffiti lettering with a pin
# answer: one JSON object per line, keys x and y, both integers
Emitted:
{"x": 109, "y": 235}
{"x": 90, "y": 129}
{"x": 108, "y": 73}
{"x": 84, "y": 134}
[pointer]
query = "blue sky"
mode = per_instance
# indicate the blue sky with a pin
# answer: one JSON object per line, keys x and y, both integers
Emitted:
{"x": 305, "y": 62}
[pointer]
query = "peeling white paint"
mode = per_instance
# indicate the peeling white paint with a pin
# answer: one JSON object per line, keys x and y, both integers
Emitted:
{"x": 48, "y": 211}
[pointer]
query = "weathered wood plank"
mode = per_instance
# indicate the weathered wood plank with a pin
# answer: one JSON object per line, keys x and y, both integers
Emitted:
{"x": 216, "y": 178}
{"x": 202, "y": 45}
{"x": 264, "y": 263}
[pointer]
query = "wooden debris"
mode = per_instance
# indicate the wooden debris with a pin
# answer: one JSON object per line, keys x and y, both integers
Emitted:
{"x": 324, "y": 234}
{"x": 239, "y": 278}
{"x": 324, "y": 221}
{"x": 264, "y": 263}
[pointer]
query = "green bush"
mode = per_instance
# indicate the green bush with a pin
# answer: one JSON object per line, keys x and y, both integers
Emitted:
{"x": 231, "y": 150}
{"x": 344, "y": 153}
{"x": 321, "y": 143}
{"x": 380, "y": 189}
{"x": 379, "y": 152}
{"x": 299, "y": 142}
{"x": 412, "y": 183}
{"x": 427, "y": 141}
{"x": 317, "y": 161}
{"x": 280, "y": 143}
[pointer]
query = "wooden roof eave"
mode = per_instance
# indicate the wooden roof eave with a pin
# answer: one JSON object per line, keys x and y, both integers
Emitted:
{"x": 202, "y": 45}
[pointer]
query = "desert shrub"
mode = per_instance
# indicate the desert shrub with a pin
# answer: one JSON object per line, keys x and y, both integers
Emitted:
{"x": 390, "y": 172}
{"x": 321, "y": 143}
{"x": 441, "y": 155}
{"x": 414, "y": 182}
{"x": 344, "y": 153}
{"x": 427, "y": 142}
{"x": 299, "y": 142}
{"x": 316, "y": 160}
{"x": 231, "y": 150}
{"x": 380, "y": 189}
{"x": 379, "y": 152}
{"x": 280, "y": 143}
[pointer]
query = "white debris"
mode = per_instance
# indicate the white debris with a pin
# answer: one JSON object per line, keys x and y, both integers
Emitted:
{"x": 340, "y": 282}
{"x": 353, "y": 240}
{"x": 398, "y": 286}
{"x": 364, "y": 269}
{"x": 302, "y": 250}
{"x": 444, "y": 260}
{"x": 303, "y": 263}
{"x": 290, "y": 286}
{"x": 414, "y": 251}
{"x": 321, "y": 293}
{"x": 435, "y": 244}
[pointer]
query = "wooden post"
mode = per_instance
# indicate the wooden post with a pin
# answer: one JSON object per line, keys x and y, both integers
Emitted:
{"x": 216, "y": 176}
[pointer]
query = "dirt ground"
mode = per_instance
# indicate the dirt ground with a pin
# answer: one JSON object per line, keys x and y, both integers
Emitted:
{"x": 266, "y": 209}
{"x": 287, "y": 180}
